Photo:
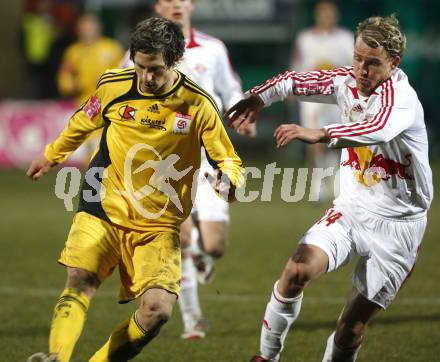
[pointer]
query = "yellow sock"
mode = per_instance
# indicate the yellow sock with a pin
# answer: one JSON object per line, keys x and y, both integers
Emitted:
{"x": 67, "y": 323}
{"x": 126, "y": 341}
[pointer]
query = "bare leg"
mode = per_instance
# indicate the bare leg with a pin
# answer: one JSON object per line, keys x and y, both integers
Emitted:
{"x": 214, "y": 237}
{"x": 83, "y": 280}
{"x": 155, "y": 308}
{"x": 344, "y": 343}
{"x": 308, "y": 263}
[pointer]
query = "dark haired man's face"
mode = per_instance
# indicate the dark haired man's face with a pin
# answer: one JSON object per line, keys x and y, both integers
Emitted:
{"x": 372, "y": 66}
{"x": 153, "y": 73}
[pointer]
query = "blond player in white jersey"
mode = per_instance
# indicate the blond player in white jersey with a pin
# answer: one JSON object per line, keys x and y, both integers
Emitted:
{"x": 323, "y": 46}
{"x": 204, "y": 235}
{"x": 385, "y": 190}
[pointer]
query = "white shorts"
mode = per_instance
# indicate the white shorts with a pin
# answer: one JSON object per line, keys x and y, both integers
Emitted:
{"x": 318, "y": 115}
{"x": 208, "y": 206}
{"x": 387, "y": 248}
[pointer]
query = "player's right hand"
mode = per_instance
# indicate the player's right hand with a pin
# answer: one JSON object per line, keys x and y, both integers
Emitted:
{"x": 222, "y": 185}
{"x": 39, "y": 167}
{"x": 244, "y": 112}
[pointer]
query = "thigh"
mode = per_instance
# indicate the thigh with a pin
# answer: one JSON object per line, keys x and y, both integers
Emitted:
{"x": 332, "y": 234}
{"x": 149, "y": 260}
{"x": 92, "y": 245}
{"x": 214, "y": 234}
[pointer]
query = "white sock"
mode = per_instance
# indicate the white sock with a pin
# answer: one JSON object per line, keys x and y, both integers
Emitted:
{"x": 280, "y": 314}
{"x": 334, "y": 354}
{"x": 188, "y": 298}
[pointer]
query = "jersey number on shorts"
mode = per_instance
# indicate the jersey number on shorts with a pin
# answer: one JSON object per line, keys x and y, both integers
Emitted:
{"x": 330, "y": 217}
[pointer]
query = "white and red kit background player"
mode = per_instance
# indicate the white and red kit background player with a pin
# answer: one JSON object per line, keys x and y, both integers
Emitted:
{"x": 323, "y": 46}
{"x": 385, "y": 185}
{"x": 205, "y": 234}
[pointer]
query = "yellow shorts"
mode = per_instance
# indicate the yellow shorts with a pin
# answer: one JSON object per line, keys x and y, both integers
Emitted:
{"x": 146, "y": 259}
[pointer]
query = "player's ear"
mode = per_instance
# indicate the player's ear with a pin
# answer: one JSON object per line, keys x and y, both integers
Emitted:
{"x": 395, "y": 62}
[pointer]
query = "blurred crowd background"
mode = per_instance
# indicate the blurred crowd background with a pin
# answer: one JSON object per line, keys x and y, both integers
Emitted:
{"x": 40, "y": 38}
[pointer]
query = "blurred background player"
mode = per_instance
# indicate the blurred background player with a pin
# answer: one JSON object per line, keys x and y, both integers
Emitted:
{"x": 324, "y": 46}
{"x": 87, "y": 59}
{"x": 83, "y": 64}
{"x": 38, "y": 34}
{"x": 204, "y": 234}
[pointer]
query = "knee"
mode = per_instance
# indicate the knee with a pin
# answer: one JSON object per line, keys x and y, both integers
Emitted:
{"x": 216, "y": 248}
{"x": 83, "y": 281}
{"x": 298, "y": 275}
{"x": 154, "y": 314}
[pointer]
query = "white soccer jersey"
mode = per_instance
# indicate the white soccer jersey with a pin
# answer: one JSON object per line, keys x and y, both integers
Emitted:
{"x": 384, "y": 161}
{"x": 207, "y": 63}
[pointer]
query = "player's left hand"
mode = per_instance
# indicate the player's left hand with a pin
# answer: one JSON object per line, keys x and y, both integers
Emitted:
{"x": 244, "y": 112}
{"x": 222, "y": 185}
{"x": 289, "y": 132}
{"x": 39, "y": 167}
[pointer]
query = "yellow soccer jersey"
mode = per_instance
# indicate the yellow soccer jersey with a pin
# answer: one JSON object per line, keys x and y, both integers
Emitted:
{"x": 150, "y": 150}
{"x": 84, "y": 64}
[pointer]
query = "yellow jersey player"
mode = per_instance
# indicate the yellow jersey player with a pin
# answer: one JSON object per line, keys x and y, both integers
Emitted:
{"x": 154, "y": 123}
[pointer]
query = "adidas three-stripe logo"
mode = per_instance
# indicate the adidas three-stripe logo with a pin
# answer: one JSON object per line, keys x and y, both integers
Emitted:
{"x": 153, "y": 109}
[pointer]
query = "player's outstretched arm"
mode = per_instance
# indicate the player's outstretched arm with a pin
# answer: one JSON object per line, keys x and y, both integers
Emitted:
{"x": 222, "y": 185}
{"x": 244, "y": 112}
{"x": 39, "y": 167}
{"x": 289, "y": 132}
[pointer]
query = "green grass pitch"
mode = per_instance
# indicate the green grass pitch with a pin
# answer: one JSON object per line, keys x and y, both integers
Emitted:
{"x": 34, "y": 225}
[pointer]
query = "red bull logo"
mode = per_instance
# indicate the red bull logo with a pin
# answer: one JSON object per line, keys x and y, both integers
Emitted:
{"x": 370, "y": 169}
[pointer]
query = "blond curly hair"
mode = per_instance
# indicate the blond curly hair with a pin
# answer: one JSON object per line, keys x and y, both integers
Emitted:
{"x": 379, "y": 31}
